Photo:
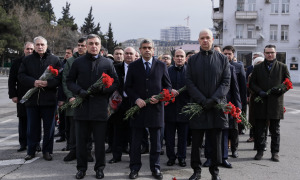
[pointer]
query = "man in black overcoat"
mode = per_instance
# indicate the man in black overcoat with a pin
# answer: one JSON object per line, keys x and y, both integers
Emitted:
{"x": 145, "y": 78}
{"x": 91, "y": 115}
{"x": 208, "y": 81}
{"x": 16, "y": 91}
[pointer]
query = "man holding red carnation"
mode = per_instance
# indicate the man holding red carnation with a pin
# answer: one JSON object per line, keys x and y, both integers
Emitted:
{"x": 265, "y": 82}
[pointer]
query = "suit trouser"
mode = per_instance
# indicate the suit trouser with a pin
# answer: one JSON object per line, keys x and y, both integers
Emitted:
{"x": 261, "y": 129}
{"x": 135, "y": 148}
{"x": 22, "y": 129}
{"x": 121, "y": 139}
{"x": 84, "y": 128}
{"x": 62, "y": 124}
{"x": 34, "y": 116}
{"x": 208, "y": 148}
{"x": 70, "y": 133}
{"x": 233, "y": 135}
{"x": 170, "y": 132}
{"x": 216, "y": 137}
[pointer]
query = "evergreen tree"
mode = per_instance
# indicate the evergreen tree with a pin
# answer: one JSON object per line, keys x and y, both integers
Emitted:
{"x": 111, "y": 44}
{"x": 67, "y": 20}
{"x": 89, "y": 27}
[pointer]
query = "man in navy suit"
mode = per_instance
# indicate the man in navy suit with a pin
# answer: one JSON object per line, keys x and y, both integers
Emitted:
{"x": 146, "y": 77}
{"x": 241, "y": 77}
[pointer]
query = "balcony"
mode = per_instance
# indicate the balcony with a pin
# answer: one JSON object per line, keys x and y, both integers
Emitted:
{"x": 245, "y": 42}
{"x": 246, "y": 15}
{"x": 217, "y": 16}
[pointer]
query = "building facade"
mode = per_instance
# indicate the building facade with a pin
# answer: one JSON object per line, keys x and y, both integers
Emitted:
{"x": 250, "y": 25}
{"x": 175, "y": 33}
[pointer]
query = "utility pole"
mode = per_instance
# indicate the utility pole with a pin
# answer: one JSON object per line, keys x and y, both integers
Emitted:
{"x": 187, "y": 21}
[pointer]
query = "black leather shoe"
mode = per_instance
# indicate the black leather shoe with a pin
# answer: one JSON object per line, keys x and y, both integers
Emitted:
{"x": 108, "y": 150}
{"x": 144, "y": 150}
{"x": 207, "y": 163}
{"x": 275, "y": 157}
{"x": 80, "y": 174}
{"x": 157, "y": 174}
{"x": 126, "y": 150}
{"x": 196, "y": 175}
{"x": 170, "y": 162}
{"x": 38, "y": 148}
{"x": 226, "y": 164}
{"x": 99, "y": 174}
{"x": 113, "y": 160}
{"x": 215, "y": 177}
{"x": 22, "y": 148}
{"x": 235, "y": 154}
{"x": 259, "y": 155}
{"x": 90, "y": 157}
{"x": 61, "y": 139}
{"x": 182, "y": 162}
{"x": 70, "y": 156}
{"x": 133, "y": 174}
{"x": 29, "y": 157}
{"x": 57, "y": 134}
{"x": 47, "y": 156}
{"x": 65, "y": 149}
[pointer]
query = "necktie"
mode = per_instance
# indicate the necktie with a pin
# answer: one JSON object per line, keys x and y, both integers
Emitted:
{"x": 147, "y": 68}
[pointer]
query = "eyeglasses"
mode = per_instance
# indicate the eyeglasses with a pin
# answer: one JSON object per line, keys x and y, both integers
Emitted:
{"x": 269, "y": 52}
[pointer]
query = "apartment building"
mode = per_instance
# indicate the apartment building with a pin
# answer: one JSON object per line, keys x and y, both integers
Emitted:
{"x": 250, "y": 25}
{"x": 175, "y": 33}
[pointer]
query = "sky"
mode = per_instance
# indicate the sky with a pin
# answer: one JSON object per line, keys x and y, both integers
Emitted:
{"x": 132, "y": 19}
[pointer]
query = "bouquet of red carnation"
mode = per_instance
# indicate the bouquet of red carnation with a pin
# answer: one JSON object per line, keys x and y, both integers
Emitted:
{"x": 164, "y": 96}
{"x": 173, "y": 98}
{"x": 236, "y": 113}
{"x": 104, "y": 81}
{"x": 115, "y": 101}
{"x": 287, "y": 84}
{"x": 48, "y": 73}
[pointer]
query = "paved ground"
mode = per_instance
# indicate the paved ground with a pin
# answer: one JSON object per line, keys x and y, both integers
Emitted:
{"x": 12, "y": 165}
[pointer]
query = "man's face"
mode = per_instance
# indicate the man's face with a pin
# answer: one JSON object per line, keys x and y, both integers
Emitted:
{"x": 179, "y": 58}
{"x": 166, "y": 59}
{"x": 270, "y": 54}
{"x": 147, "y": 50}
{"x": 137, "y": 55}
{"x": 93, "y": 46}
{"x": 129, "y": 55}
{"x": 229, "y": 54}
{"x": 118, "y": 55}
{"x": 68, "y": 54}
{"x": 81, "y": 48}
{"x": 40, "y": 46}
{"x": 28, "y": 49}
{"x": 205, "y": 40}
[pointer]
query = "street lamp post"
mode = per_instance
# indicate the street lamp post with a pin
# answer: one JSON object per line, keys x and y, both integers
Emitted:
{"x": 53, "y": 24}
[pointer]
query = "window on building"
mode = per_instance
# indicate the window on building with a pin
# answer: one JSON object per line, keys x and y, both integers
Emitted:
{"x": 274, "y": 6}
{"x": 240, "y": 5}
{"x": 245, "y": 57}
{"x": 251, "y": 5}
{"x": 281, "y": 56}
{"x": 284, "y": 32}
{"x": 239, "y": 31}
{"x": 273, "y": 32}
{"x": 285, "y": 6}
{"x": 250, "y": 31}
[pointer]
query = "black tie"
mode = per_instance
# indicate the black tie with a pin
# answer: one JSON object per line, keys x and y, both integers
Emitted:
{"x": 147, "y": 68}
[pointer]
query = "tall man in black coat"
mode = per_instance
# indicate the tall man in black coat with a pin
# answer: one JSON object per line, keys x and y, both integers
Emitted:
{"x": 121, "y": 127}
{"x": 42, "y": 104}
{"x": 145, "y": 78}
{"x": 241, "y": 78}
{"x": 16, "y": 91}
{"x": 207, "y": 80}
{"x": 91, "y": 115}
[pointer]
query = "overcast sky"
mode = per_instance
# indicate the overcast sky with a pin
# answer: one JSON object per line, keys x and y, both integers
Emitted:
{"x": 132, "y": 19}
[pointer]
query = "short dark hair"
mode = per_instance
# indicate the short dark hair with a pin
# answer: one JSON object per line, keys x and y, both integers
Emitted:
{"x": 229, "y": 48}
{"x": 146, "y": 41}
{"x": 190, "y": 52}
{"x": 81, "y": 40}
{"x": 92, "y": 36}
{"x": 270, "y": 46}
{"x": 69, "y": 48}
{"x": 215, "y": 45}
{"x": 118, "y": 48}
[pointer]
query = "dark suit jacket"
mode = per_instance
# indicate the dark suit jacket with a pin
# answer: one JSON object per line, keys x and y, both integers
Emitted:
{"x": 139, "y": 85}
{"x": 173, "y": 110}
{"x": 241, "y": 77}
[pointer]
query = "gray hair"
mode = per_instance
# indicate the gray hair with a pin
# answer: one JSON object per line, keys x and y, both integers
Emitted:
{"x": 40, "y": 38}
{"x": 207, "y": 31}
{"x": 260, "y": 54}
{"x": 146, "y": 41}
{"x": 92, "y": 36}
{"x": 28, "y": 42}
